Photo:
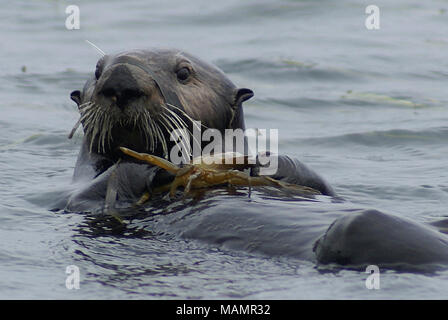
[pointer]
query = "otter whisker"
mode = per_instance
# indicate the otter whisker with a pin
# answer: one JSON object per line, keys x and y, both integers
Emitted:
{"x": 182, "y": 131}
{"x": 143, "y": 126}
{"x": 105, "y": 133}
{"x": 97, "y": 120}
{"x": 168, "y": 130}
{"x": 75, "y": 127}
{"x": 179, "y": 122}
{"x": 109, "y": 128}
{"x": 182, "y": 124}
{"x": 152, "y": 134}
{"x": 97, "y": 126}
{"x": 87, "y": 117}
{"x": 186, "y": 115}
{"x": 81, "y": 108}
{"x": 85, "y": 105}
{"x": 161, "y": 138}
{"x": 86, "y": 108}
{"x": 176, "y": 116}
{"x": 96, "y": 47}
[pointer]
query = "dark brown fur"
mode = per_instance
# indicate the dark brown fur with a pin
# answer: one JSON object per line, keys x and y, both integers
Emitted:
{"x": 129, "y": 90}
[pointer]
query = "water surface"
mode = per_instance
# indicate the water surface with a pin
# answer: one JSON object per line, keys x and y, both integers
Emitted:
{"x": 365, "y": 109}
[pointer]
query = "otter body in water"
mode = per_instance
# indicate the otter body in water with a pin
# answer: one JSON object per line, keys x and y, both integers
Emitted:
{"x": 135, "y": 99}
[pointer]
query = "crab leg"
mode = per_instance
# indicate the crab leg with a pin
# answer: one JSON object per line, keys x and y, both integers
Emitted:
{"x": 154, "y": 160}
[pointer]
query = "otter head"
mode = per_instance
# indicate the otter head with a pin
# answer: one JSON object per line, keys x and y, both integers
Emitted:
{"x": 136, "y": 98}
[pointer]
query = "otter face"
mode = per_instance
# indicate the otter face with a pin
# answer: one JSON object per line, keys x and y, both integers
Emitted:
{"x": 136, "y": 98}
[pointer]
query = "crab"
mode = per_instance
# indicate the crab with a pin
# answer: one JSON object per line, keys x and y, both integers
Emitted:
{"x": 205, "y": 172}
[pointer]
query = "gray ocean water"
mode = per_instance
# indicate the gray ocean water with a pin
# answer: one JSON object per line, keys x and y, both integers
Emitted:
{"x": 367, "y": 109}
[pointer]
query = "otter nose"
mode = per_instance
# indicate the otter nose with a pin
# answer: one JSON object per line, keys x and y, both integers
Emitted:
{"x": 121, "y": 87}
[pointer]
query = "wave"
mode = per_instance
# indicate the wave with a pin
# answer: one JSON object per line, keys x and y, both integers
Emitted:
{"x": 394, "y": 137}
{"x": 287, "y": 70}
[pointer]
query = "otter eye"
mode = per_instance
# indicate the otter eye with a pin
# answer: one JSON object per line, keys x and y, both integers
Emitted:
{"x": 98, "y": 70}
{"x": 183, "y": 74}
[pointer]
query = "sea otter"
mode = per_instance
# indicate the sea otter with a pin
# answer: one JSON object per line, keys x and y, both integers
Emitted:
{"x": 135, "y": 99}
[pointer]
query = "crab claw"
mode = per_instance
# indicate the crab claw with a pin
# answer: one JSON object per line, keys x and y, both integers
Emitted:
{"x": 154, "y": 160}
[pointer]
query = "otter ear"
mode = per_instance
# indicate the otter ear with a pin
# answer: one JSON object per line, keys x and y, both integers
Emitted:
{"x": 243, "y": 94}
{"x": 76, "y": 96}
